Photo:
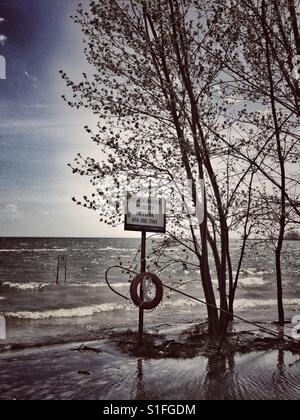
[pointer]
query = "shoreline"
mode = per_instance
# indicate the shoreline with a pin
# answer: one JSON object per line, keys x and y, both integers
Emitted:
{"x": 26, "y": 334}
{"x": 168, "y": 330}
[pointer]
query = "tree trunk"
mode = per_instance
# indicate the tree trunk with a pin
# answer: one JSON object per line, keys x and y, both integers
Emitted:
{"x": 212, "y": 311}
{"x": 281, "y": 318}
{"x": 203, "y": 160}
{"x": 281, "y": 159}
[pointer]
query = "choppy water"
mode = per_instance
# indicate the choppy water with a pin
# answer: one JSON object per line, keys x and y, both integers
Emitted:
{"x": 28, "y": 292}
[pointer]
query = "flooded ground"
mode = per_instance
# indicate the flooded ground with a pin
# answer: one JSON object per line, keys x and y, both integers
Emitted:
{"x": 64, "y": 373}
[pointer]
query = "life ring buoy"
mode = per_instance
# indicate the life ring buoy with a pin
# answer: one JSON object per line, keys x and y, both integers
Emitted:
{"x": 135, "y": 291}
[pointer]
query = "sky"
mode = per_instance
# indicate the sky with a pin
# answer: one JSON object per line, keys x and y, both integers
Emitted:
{"x": 39, "y": 134}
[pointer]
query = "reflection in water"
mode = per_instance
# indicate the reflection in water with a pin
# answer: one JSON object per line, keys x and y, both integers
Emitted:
{"x": 254, "y": 376}
{"x": 140, "y": 385}
{"x": 220, "y": 377}
{"x": 279, "y": 377}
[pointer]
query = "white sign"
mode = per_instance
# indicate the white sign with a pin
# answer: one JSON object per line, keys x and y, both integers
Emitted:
{"x": 2, "y": 328}
{"x": 145, "y": 214}
{"x": 2, "y": 68}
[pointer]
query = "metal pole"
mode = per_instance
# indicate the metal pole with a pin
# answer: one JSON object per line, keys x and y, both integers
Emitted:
{"x": 66, "y": 262}
{"x": 57, "y": 271}
{"x": 143, "y": 270}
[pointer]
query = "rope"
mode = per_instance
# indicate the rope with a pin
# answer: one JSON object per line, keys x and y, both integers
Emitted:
{"x": 271, "y": 332}
{"x": 229, "y": 313}
{"x": 109, "y": 285}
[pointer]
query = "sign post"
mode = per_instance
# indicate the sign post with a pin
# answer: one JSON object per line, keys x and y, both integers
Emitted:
{"x": 144, "y": 214}
{"x": 61, "y": 263}
{"x": 143, "y": 269}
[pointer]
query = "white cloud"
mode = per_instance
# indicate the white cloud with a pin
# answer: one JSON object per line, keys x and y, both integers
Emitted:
{"x": 2, "y": 20}
{"x": 34, "y": 79}
{"x": 3, "y": 40}
{"x": 10, "y": 211}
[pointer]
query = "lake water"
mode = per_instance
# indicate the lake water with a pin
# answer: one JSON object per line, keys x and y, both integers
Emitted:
{"x": 37, "y": 309}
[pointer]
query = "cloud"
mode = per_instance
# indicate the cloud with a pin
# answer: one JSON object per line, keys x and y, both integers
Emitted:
{"x": 2, "y": 20}
{"x": 34, "y": 79}
{"x": 38, "y": 106}
{"x": 3, "y": 40}
{"x": 11, "y": 211}
{"x": 12, "y": 208}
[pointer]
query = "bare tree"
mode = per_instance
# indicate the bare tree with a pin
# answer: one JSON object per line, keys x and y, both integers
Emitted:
{"x": 261, "y": 73}
{"x": 160, "y": 92}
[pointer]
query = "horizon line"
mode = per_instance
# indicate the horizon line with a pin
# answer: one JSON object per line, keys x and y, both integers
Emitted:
{"x": 67, "y": 237}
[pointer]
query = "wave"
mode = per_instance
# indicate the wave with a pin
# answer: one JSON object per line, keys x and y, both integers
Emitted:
{"x": 83, "y": 311}
{"x": 40, "y": 286}
{"x": 252, "y": 281}
{"x": 24, "y": 286}
{"x": 253, "y": 272}
{"x": 96, "y": 285}
{"x": 70, "y": 250}
{"x": 239, "y": 303}
{"x": 110, "y": 248}
{"x": 180, "y": 303}
{"x": 246, "y": 281}
{"x": 87, "y": 311}
{"x": 251, "y": 303}
{"x": 2, "y": 298}
{"x": 35, "y": 250}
